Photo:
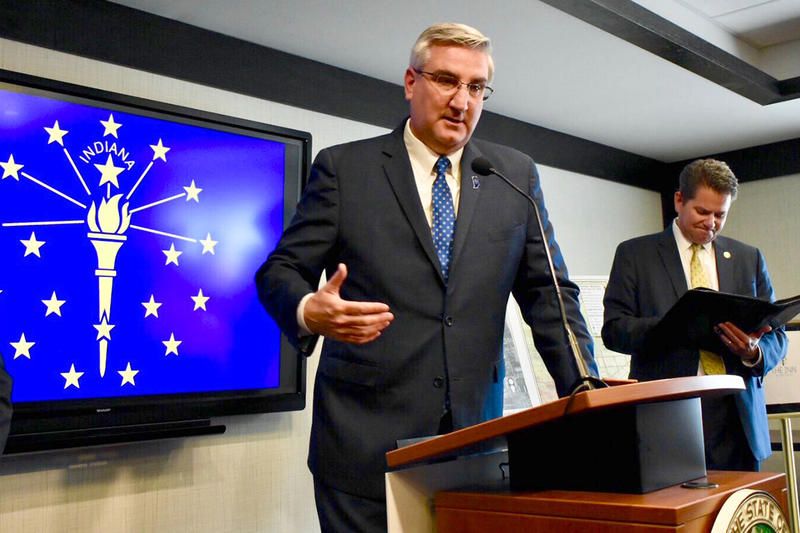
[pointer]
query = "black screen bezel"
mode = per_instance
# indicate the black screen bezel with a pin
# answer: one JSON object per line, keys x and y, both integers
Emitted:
{"x": 46, "y": 419}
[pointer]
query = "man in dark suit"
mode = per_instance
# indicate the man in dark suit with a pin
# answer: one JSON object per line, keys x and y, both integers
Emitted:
{"x": 648, "y": 276}
{"x": 413, "y": 320}
{"x": 5, "y": 404}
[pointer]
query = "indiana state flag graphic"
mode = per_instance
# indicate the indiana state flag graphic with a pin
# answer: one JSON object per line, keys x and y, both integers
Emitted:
{"x": 128, "y": 245}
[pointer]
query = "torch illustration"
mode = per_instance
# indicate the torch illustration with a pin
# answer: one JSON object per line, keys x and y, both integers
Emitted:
{"x": 107, "y": 224}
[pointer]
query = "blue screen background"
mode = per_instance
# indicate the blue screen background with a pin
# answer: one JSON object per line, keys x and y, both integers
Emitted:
{"x": 231, "y": 344}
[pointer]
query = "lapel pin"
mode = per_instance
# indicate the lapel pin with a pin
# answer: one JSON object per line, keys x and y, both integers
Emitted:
{"x": 476, "y": 182}
{"x": 726, "y": 254}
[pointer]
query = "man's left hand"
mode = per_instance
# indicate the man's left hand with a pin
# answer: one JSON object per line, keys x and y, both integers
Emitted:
{"x": 744, "y": 345}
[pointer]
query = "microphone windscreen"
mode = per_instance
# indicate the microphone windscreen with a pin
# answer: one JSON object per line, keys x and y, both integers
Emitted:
{"x": 482, "y": 166}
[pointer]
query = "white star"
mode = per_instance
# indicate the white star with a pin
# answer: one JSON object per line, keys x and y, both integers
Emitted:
{"x": 22, "y": 347}
{"x": 128, "y": 375}
{"x": 172, "y": 344}
{"x": 32, "y": 245}
{"x": 200, "y": 301}
{"x": 11, "y": 168}
{"x": 53, "y": 305}
{"x": 110, "y": 126}
{"x": 108, "y": 172}
{"x": 56, "y": 134}
{"x": 103, "y": 329}
{"x": 159, "y": 151}
{"x": 208, "y": 244}
{"x": 172, "y": 254}
{"x": 151, "y": 307}
{"x": 193, "y": 192}
{"x": 72, "y": 377}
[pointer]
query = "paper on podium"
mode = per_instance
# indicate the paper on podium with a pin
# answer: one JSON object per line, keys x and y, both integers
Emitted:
{"x": 690, "y": 322}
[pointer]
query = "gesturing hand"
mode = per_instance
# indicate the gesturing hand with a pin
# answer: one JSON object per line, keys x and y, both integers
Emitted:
{"x": 327, "y": 314}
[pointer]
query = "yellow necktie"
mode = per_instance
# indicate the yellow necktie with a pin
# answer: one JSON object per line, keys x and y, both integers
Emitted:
{"x": 712, "y": 363}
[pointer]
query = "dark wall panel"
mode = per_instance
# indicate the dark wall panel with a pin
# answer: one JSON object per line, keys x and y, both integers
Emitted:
{"x": 124, "y": 36}
{"x": 117, "y": 34}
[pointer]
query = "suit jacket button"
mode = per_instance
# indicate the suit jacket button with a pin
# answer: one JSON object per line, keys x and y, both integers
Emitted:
{"x": 438, "y": 382}
{"x": 448, "y": 321}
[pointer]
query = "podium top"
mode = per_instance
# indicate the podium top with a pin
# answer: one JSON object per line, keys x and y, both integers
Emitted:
{"x": 583, "y": 402}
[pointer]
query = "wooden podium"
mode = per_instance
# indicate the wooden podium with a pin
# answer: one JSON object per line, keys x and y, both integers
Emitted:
{"x": 671, "y": 509}
{"x": 634, "y": 438}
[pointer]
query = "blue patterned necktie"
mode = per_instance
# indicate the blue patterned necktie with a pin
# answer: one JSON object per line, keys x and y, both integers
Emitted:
{"x": 444, "y": 217}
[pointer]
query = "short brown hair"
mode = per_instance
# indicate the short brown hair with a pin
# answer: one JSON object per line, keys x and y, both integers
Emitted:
{"x": 708, "y": 172}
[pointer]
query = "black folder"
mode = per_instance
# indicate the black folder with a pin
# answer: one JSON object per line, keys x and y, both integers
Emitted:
{"x": 690, "y": 322}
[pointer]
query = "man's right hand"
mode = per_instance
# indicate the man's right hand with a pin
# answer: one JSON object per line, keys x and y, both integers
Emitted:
{"x": 327, "y": 314}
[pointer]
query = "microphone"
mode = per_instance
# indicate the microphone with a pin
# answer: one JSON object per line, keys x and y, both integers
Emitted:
{"x": 586, "y": 381}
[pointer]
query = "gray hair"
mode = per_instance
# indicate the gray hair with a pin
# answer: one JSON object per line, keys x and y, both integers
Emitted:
{"x": 453, "y": 34}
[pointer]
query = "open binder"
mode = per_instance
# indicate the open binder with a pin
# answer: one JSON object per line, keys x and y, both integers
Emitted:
{"x": 690, "y": 322}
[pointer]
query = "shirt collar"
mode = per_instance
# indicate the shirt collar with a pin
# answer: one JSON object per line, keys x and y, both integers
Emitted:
{"x": 419, "y": 151}
{"x": 684, "y": 243}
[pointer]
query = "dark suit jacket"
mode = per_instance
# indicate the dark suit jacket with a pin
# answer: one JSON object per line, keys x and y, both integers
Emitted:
{"x": 361, "y": 207}
{"x": 5, "y": 404}
{"x": 647, "y": 279}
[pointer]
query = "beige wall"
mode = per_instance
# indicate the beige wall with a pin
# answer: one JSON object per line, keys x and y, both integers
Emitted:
{"x": 592, "y": 216}
{"x": 253, "y": 478}
{"x": 766, "y": 214}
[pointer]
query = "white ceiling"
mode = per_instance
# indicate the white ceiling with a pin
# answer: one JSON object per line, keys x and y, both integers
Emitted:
{"x": 760, "y": 23}
{"x": 552, "y": 70}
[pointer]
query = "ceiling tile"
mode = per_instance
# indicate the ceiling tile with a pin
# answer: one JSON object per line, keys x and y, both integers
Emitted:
{"x": 715, "y": 8}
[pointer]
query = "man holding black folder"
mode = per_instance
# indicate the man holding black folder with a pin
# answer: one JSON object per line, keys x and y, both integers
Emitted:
{"x": 651, "y": 273}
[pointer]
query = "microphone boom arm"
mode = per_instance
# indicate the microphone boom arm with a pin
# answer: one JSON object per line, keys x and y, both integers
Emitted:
{"x": 585, "y": 380}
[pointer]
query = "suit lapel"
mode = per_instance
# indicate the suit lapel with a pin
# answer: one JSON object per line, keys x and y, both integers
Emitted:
{"x": 466, "y": 206}
{"x": 724, "y": 259}
{"x": 668, "y": 251}
{"x": 397, "y": 167}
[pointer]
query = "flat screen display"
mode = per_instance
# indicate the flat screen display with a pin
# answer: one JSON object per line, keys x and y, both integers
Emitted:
{"x": 130, "y": 233}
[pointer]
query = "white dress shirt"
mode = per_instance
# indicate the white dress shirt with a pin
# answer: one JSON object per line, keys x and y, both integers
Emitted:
{"x": 423, "y": 161}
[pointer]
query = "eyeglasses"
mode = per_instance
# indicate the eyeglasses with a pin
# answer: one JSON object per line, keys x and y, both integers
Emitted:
{"x": 447, "y": 83}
